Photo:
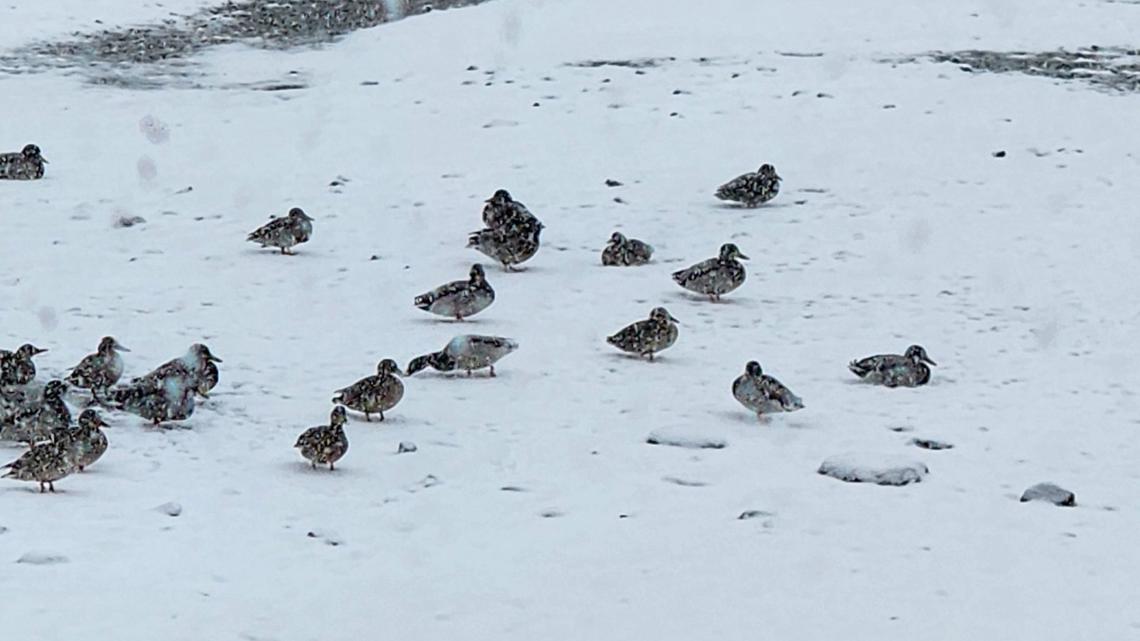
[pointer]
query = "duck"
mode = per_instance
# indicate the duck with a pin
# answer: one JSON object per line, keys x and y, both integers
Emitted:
{"x": 26, "y": 164}
{"x": 626, "y": 252}
{"x": 44, "y": 463}
{"x": 374, "y": 394}
{"x": 99, "y": 371}
{"x": 284, "y": 233}
{"x": 17, "y": 368}
{"x": 893, "y": 370}
{"x": 158, "y": 401}
{"x": 509, "y": 245}
{"x": 35, "y": 420}
{"x": 459, "y": 299}
{"x": 501, "y": 210}
{"x": 87, "y": 442}
{"x": 715, "y": 276}
{"x": 763, "y": 394}
{"x": 467, "y": 352}
{"x": 325, "y": 444}
{"x": 647, "y": 337}
{"x": 196, "y": 368}
{"x": 752, "y": 189}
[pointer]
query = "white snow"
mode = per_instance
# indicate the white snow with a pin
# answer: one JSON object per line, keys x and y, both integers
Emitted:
{"x": 874, "y": 467}
{"x": 1015, "y": 274}
{"x": 686, "y": 437}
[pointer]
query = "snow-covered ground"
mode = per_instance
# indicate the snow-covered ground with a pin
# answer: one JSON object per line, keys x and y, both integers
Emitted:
{"x": 895, "y": 225}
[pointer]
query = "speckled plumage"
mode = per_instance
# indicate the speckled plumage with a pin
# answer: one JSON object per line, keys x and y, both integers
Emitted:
{"x": 17, "y": 368}
{"x": 374, "y": 394}
{"x": 284, "y": 233}
{"x": 467, "y": 352}
{"x": 752, "y": 189}
{"x": 158, "y": 401}
{"x": 101, "y": 370}
{"x": 894, "y": 370}
{"x": 26, "y": 164}
{"x": 715, "y": 276}
{"x": 763, "y": 394}
{"x": 626, "y": 252}
{"x": 509, "y": 245}
{"x": 87, "y": 442}
{"x": 196, "y": 369}
{"x": 500, "y": 210}
{"x": 35, "y": 420}
{"x": 647, "y": 337}
{"x": 459, "y": 299}
{"x": 325, "y": 444}
{"x": 45, "y": 463}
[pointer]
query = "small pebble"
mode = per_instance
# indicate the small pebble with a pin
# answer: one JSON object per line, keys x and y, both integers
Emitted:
{"x": 406, "y": 447}
{"x": 170, "y": 509}
{"x": 999, "y": 154}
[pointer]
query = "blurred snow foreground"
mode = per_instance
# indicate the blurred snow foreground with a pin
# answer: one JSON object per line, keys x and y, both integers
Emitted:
{"x": 533, "y": 504}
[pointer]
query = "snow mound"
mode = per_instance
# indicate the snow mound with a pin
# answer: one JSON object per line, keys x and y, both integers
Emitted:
{"x": 685, "y": 437}
{"x": 874, "y": 468}
{"x": 42, "y": 558}
{"x": 1050, "y": 493}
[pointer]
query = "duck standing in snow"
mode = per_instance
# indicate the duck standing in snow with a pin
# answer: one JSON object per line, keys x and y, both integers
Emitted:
{"x": 893, "y": 370}
{"x": 715, "y": 276}
{"x": 500, "y": 210}
{"x": 17, "y": 368}
{"x": 35, "y": 421}
{"x": 45, "y": 463}
{"x": 374, "y": 394}
{"x": 325, "y": 444}
{"x": 459, "y": 299}
{"x": 763, "y": 394}
{"x": 99, "y": 371}
{"x": 647, "y": 337}
{"x": 196, "y": 368}
{"x": 284, "y": 233}
{"x": 626, "y": 252}
{"x": 467, "y": 353}
{"x": 158, "y": 401}
{"x": 26, "y": 164}
{"x": 509, "y": 245}
{"x": 752, "y": 189}
{"x": 87, "y": 442}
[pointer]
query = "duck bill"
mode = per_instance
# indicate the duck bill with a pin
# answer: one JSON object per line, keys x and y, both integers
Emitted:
{"x": 743, "y": 256}
{"x": 38, "y": 350}
{"x": 673, "y": 319}
{"x": 119, "y": 346}
{"x": 213, "y": 358}
{"x": 926, "y": 359}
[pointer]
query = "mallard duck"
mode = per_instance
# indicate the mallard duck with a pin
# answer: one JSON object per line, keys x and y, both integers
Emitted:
{"x": 158, "y": 401}
{"x": 284, "y": 233}
{"x": 99, "y": 371}
{"x": 86, "y": 441}
{"x": 45, "y": 463}
{"x": 626, "y": 252}
{"x": 647, "y": 337}
{"x": 35, "y": 420}
{"x": 509, "y": 245}
{"x": 196, "y": 368}
{"x": 465, "y": 353}
{"x": 752, "y": 189}
{"x": 461, "y": 298}
{"x": 374, "y": 394}
{"x": 17, "y": 368}
{"x": 500, "y": 210}
{"x": 763, "y": 394}
{"x": 26, "y": 164}
{"x": 715, "y": 276}
{"x": 893, "y": 370}
{"x": 325, "y": 443}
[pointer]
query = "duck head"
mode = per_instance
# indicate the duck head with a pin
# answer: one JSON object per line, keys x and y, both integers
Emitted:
{"x": 662, "y": 315}
{"x": 768, "y": 171}
{"x": 388, "y": 367}
{"x": 90, "y": 420}
{"x": 202, "y": 354}
{"x": 477, "y": 276}
{"x": 437, "y": 360}
{"x": 27, "y": 350}
{"x": 617, "y": 238}
{"x": 109, "y": 345}
{"x": 500, "y": 197}
{"x": 730, "y": 251}
{"x": 918, "y": 355}
{"x": 55, "y": 390}
{"x": 32, "y": 152}
{"x": 297, "y": 213}
{"x": 752, "y": 368}
{"x": 338, "y": 417}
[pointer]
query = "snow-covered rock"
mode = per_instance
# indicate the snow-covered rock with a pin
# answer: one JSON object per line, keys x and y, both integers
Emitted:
{"x": 686, "y": 437}
{"x": 406, "y": 447}
{"x": 42, "y": 558}
{"x": 1050, "y": 493}
{"x": 170, "y": 508}
{"x": 931, "y": 444}
{"x": 874, "y": 468}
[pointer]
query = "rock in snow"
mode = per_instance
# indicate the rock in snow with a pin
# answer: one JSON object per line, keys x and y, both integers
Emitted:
{"x": 1051, "y": 493}
{"x": 931, "y": 444}
{"x": 874, "y": 468}
{"x": 170, "y": 509}
{"x": 688, "y": 438}
{"x": 41, "y": 558}
{"x": 406, "y": 447}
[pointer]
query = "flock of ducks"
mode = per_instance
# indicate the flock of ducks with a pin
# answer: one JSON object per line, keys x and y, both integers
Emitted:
{"x": 510, "y": 236}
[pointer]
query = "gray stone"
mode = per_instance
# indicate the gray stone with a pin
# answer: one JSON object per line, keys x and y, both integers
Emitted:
{"x": 406, "y": 447}
{"x": 931, "y": 444}
{"x": 874, "y": 468}
{"x": 170, "y": 509}
{"x": 1051, "y": 494}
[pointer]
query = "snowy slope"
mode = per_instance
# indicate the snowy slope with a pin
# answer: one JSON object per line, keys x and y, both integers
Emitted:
{"x": 1015, "y": 273}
